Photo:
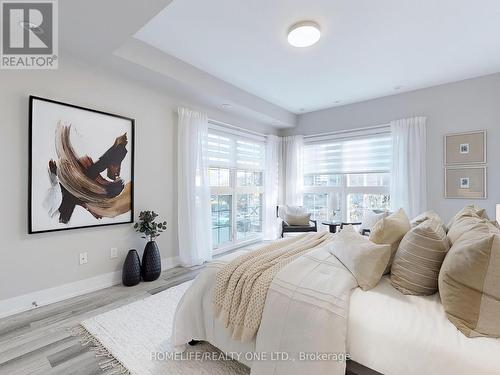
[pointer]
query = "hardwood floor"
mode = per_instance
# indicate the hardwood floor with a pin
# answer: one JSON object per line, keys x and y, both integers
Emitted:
{"x": 39, "y": 341}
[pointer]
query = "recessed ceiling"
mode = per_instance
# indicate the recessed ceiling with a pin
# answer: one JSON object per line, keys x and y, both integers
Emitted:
{"x": 367, "y": 48}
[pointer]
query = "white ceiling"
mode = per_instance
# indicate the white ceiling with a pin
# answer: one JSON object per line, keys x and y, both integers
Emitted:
{"x": 367, "y": 49}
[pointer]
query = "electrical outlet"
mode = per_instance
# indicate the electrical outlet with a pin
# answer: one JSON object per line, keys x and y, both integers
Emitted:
{"x": 113, "y": 253}
{"x": 84, "y": 258}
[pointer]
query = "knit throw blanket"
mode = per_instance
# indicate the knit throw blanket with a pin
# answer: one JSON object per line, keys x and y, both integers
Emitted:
{"x": 241, "y": 286}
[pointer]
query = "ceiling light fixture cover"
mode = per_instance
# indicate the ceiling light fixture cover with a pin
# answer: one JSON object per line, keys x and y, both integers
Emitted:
{"x": 304, "y": 34}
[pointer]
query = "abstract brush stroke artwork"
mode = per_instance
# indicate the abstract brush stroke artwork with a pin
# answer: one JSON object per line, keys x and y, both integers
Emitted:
{"x": 81, "y": 167}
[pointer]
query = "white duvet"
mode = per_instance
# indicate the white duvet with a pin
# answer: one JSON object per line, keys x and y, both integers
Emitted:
{"x": 304, "y": 323}
{"x": 396, "y": 334}
{"x": 386, "y": 331}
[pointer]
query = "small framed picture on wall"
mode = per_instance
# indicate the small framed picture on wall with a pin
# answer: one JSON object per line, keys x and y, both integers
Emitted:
{"x": 465, "y": 182}
{"x": 465, "y": 148}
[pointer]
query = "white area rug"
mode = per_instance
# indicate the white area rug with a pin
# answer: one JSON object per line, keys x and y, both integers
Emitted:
{"x": 128, "y": 338}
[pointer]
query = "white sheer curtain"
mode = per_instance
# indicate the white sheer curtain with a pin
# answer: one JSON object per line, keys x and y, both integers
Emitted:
{"x": 193, "y": 218}
{"x": 292, "y": 151}
{"x": 409, "y": 150}
{"x": 270, "y": 229}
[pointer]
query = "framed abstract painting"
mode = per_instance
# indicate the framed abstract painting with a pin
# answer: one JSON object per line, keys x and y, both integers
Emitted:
{"x": 81, "y": 167}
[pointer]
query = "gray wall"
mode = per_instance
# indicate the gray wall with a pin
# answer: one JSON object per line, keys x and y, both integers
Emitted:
{"x": 34, "y": 262}
{"x": 467, "y": 105}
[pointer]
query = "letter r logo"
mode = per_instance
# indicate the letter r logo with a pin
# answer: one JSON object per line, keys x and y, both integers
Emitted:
{"x": 27, "y": 28}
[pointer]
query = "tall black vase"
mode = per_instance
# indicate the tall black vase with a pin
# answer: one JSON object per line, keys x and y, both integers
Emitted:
{"x": 131, "y": 274}
{"x": 151, "y": 262}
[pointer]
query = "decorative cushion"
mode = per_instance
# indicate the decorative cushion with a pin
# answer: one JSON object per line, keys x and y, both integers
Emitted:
{"x": 463, "y": 225}
{"x": 469, "y": 282}
{"x": 295, "y": 210}
{"x": 428, "y": 215}
{"x": 417, "y": 262}
{"x": 365, "y": 259}
{"x": 389, "y": 231}
{"x": 297, "y": 219}
{"x": 370, "y": 218}
{"x": 470, "y": 210}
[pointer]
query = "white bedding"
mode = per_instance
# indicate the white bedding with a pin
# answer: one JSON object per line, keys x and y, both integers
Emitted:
{"x": 387, "y": 331}
{"x": 397, "y": 334}
{"x": 305, "y": 314}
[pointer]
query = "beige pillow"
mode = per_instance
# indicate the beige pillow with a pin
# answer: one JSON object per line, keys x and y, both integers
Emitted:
{"x": 469, "y": 282}
{"x": 370, "y": 218}
{"x": 463, "y": 225}
{"x": 365, "y": 259}
{"x": 389, "y": 231}
{"x": 428, "y": 215}
{"x": 416, "y": 266}
{"x": 297, "y": 219}
{"x": 470, "y": 210}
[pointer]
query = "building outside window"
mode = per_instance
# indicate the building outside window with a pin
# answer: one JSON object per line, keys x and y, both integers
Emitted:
{"x": 236, "y": 179}
{"x": 349, "y": 174}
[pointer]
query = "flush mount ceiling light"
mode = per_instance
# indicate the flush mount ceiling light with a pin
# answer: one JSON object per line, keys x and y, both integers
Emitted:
{"x": 304, "y": 34}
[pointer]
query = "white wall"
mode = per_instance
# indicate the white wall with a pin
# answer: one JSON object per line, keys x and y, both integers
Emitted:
{"x": 467, "y": 105}
{"x": 29, "y": 263}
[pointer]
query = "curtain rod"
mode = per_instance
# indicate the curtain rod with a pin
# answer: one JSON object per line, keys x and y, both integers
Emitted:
{"x": 225, "y": 124}
{"x": 337, "y": 132}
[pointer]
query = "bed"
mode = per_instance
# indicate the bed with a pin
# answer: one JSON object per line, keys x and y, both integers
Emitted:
{"x": 398, "y": 334}
{"x": 386, "y": 331}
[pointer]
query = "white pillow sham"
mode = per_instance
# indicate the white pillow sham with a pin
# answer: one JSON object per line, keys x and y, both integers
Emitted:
{"x": 365, "y": 259}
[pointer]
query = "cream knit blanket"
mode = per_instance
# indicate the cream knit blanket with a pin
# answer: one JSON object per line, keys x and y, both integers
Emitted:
{"x": 241, "y": 286}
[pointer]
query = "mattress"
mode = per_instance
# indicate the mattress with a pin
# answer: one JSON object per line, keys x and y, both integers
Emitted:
{"x": 397, "y": 334}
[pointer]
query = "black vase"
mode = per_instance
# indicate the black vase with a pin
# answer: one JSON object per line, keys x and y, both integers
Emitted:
{"x": 151, "y": 262}
{"x": 131, "y": 274}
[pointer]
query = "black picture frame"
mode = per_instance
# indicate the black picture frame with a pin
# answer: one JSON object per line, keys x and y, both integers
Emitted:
{"x": 131, "y": 142}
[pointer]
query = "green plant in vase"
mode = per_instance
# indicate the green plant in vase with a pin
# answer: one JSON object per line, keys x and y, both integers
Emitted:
{"x": 148, "y": 227}
{"x": 150, "y": 230}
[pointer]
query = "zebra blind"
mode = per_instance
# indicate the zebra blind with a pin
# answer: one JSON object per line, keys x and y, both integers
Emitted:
{"x": 228, "y": 150}
{"x": 369, "y": 154}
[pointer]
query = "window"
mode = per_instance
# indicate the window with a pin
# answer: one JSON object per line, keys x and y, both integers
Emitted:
{"x": 236, "y": 180}
{"x": 347, "y": 176}
{"x": 222, "y": 208}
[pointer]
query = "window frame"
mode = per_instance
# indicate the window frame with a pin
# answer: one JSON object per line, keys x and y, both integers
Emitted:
{"x": 344, "y": 190}
{"x": 234, "y": 190}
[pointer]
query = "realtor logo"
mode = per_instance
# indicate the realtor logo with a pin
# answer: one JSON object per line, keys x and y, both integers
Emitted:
{"x": 29, "y": 34}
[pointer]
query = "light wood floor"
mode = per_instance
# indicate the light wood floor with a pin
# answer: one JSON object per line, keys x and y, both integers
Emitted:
{"x": 39, "y": 341}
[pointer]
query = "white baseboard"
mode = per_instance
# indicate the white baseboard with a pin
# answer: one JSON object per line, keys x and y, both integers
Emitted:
{"x": 45, "y": 297}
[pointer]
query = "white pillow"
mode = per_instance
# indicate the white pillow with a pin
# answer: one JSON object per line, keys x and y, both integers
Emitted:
{"x": 370, "y": 218}
{"x": 297, "y": 219}
{"x": 295, "y": 210}
{"x": 365, "y": 259}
